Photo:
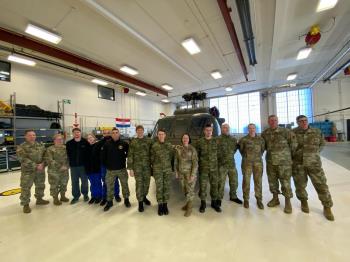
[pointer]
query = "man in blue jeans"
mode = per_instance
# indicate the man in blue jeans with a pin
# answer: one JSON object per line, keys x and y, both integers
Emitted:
{"x": 99, "y": 146}
{"x": 77, "y": 156}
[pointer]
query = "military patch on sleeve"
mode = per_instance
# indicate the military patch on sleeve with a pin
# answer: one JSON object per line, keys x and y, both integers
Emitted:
{"x": 120, "y": 147}
{"x": 11, "y": 192}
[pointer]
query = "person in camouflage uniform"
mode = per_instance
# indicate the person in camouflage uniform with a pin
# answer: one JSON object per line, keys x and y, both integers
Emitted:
{"x": 31, "y": 156}
{"x": 162, "y": 154}
{"x": 207, "y": 149}
{"x": 57, "y": 162}
{"x": 227, "y": 165}
{"x": 186, "y": 167}
{"x": 280, "y": 144}
{"x": 252, "y": 148}
{"x": 307, "y": 163}
{"x": 139, "y": 165}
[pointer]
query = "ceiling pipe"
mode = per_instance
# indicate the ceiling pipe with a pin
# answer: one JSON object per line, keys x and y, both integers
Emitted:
{"x": 337, "y": 71}
{"x": 225, "y": 11}
{"x": 26, "y": 42}
{"x": 246, "y": 24}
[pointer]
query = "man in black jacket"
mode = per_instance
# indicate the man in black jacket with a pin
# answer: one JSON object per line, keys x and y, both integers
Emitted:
{"x": 114, "y": 155}
{"x": 77, "y": 156}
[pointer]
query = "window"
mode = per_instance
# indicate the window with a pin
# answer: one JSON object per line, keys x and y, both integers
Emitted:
{"x": 290, "y": 104}
{"x": 239, "y": 111}
{"x": 5, "y": 71}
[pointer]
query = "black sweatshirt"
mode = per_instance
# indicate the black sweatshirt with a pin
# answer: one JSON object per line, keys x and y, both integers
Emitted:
{"x": 93, "y": 159}
{"x": 77, "y": 152}
{"x": 114, "y": 154}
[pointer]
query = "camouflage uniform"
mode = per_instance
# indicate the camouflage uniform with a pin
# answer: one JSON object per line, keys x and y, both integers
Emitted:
{"x": 139, "y": 162}
{"x": 280, "y": 143}
{"x": 186, "y": 165}
{"x": 207, "y": 150}
{"x": 55, "y": 158}
{"x": 30, "y": 155}
{"x": 252, "y": 149}
{"x": 307, "y": 162}
{"x": 227, "y": 165}
{"x": 161, "y": 157}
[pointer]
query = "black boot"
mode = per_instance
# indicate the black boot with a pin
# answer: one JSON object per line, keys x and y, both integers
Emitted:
{"x": 127, "y": 202}
{"x": 97, "y": 200}
{"x": 165, "y": 209}
{"x": 203, "y": 206}
{"x": 103, "y": 202}
{"x": 146, "y": 201}
{"x": 108, "y": 206}
{"x": 236, "y": 200}
{"x": 219, "y": 203}
{"x": 92, "y": 200}
{"x": 141, "y": 209}
{"x": 215, "y": 205}
{"x": 118, "y": 199}
{"x": 160, "y": 209}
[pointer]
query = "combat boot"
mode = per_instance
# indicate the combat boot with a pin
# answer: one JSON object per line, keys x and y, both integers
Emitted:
{"x": 146, "y": 201}
{"x": 287, "y": 206}
{"x": 41, "y": 202}
{"x": 165, "y": 209}
{"x": 108, "y": 206}
{"x": 92, "y": 200}
{"x": 215, "y": 205}
{"x": 103, "y": 202}
{"x": 127, "y": 202}
{"x": 203, "y": 206}
{"x": 246, "y": 203}
{"x": 184, "y": 208}
{"x": 141, "y": 209}
{"x": 56, "y": 201}
{"x": 219, "y": 203}
{"x": 188, "y": 209}
{"x": 26, "y": 209}
{"x": 259, "y": 204}
{"x": 274, "y": 201}
{"x": 305, "y": 206}
{"x": 64, "y": 198}
{"x": 328, "y": 213}
{"x": 160, "y": 209}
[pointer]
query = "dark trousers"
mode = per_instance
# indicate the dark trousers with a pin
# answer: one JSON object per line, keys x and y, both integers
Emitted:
{"x": 96, "y": 185}
{"x": 104, "y": 185}
{"x": 78, "y": 172}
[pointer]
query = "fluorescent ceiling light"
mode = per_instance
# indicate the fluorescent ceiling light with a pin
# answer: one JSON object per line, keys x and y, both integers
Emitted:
{"x": 228, "y": 89}
{"x": 216, "y": 74}
{"x": 4, "y": 73}
{"x": 325, "y": 5}
{"x": 129, "y": 70}
{"x": 99, "y": 82}
{"x": 140, "y": 93}
{"x": 291, "y": 76}
{"x": 191, "y": 46}
{"x": 43, "y": 34}
{"x": 304, "y": 53}
{"x": 292, "y": 85}
{"x": 167, "y": 87}
{"x": 21, "y": 60}
{"x": 165, "y": 101}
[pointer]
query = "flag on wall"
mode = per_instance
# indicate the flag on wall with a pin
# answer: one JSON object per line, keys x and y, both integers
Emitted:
{"x": 122, "y": 122}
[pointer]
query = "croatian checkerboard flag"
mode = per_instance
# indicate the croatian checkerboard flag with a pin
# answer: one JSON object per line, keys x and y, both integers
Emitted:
{"x": 122, "y": 122}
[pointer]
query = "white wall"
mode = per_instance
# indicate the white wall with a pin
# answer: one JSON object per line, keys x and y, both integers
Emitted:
{"x": 44, "y": 87}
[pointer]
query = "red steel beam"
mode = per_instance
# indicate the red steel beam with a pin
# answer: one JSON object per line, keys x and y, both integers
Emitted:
{"x": 225, "y": 11}
{"x": 23, "y": 41}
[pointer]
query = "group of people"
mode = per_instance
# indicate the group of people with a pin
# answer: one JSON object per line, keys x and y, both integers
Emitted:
{"x": 289, "y": 153}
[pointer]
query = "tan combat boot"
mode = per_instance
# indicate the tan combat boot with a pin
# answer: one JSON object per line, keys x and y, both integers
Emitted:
{"x": 184, "y": 208}
{"x": 56, "y": 201}
{"x": 64, "y": 198}
{"x": 26, "y": 209}
{"x": 41, "y": 202}
{"x": 274, "y": 201}
{"x": 288, "y": 206}
{"x": 246, "y": 203}
{"x": 305, "y": 206}
{"x": 259, "y": 204}
{"x": 188, "y": 209}
{"x": 328, "y": 213}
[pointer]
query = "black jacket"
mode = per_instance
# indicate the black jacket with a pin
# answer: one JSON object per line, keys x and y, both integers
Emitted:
{"x": 114, "y": 154}
{"x": 99, "y": 146}
{"x": 77, "y": 152}
{"x": 93, "y": 165}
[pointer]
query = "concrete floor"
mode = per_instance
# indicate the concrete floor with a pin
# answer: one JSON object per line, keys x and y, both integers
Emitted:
{"x": 338, "y": 152}
{"x": 85, "y": 233}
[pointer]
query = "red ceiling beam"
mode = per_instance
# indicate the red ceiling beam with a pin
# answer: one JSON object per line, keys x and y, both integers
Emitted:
{"x": 225, "y": 11}
{"x": 25, "y": 42}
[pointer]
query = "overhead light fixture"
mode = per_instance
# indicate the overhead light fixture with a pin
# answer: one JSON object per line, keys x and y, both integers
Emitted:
{"x": 167, "y": 87}
{"x": 99, "y": 82}
{"x": 165, "y": 101}
{"x": 129, "y": 70}
{"x": 43, "y": 34}
{"x": 325, "y": 5}
{"x": 216, "y": 75}
{"x": 4, "y": 73}
{"x": 191, "y": 46}
{"x": 140, "y": 93}
{"x": 304, "y": 53}
{"x": 21, "y": 60}
{"x": 228, "y": 89}
{"x": 292, "y": 85}
{"x": 291, "y": 76}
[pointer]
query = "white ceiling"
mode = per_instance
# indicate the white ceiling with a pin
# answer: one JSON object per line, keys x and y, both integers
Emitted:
{"x": 164, "y": 24}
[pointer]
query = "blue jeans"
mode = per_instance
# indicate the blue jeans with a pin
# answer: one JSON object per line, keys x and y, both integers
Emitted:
{"x": 116, "y": 183}
{"x": 77, "y": 172}
{"x": 95, "y": 185}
